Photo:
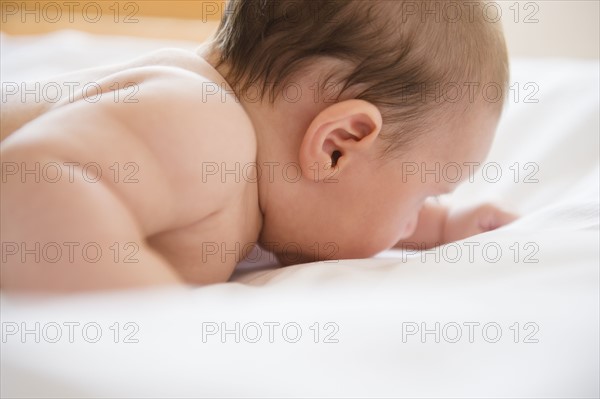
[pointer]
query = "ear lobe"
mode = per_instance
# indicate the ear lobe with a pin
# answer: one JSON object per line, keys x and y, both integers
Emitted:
{"x": 337, "y": 135}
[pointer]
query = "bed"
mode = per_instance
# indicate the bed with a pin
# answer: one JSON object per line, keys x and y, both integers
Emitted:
{"x": 510, "y": 313}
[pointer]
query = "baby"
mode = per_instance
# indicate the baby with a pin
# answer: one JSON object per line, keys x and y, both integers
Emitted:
{"x": 298, "y": 127}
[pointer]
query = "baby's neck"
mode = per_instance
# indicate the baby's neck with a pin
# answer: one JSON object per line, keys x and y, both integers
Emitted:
{"x": 278, "y": 127}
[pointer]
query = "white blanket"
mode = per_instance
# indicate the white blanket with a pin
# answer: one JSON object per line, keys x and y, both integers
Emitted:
{"x": 515, "y": 312}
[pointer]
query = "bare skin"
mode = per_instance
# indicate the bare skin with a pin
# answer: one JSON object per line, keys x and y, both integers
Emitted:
{"x": 188, "y": 226}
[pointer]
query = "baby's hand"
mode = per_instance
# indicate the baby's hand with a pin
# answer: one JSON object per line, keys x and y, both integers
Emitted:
{"x": 468, "y": 222}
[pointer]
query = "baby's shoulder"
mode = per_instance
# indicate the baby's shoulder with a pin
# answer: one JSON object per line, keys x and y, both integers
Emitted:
{"x": 191, "y": 124}
{"x": 196, "y": 107}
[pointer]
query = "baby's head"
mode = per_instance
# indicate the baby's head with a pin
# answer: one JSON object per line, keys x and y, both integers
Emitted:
{"x": 358, "y": 107}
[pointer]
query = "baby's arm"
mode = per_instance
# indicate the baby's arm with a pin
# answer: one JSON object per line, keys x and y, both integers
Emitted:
{"x": 438, "y": 225}
{"x": 87, "y": 226}
{"x": 70, "y": 233}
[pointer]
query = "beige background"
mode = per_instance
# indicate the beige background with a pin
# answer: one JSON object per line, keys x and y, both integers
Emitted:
{"x": 546, "y": 28}
{"x": 564, "y": 28}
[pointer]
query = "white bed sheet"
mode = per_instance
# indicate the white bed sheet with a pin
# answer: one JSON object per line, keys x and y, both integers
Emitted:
{"x": 371, "y": 302}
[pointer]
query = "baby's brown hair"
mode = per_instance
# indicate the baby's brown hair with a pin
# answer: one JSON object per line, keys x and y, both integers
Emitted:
{"x": 411, "y": 59}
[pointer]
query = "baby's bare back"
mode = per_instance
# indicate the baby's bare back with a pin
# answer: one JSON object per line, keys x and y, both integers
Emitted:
{"x": 123, "y": 190}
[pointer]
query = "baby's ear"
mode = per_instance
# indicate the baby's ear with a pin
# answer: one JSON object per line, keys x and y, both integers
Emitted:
{"x": 338, "y": 135}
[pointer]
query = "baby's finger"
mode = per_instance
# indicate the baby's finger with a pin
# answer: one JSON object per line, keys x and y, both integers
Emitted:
{"x": 501, "y": 218}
